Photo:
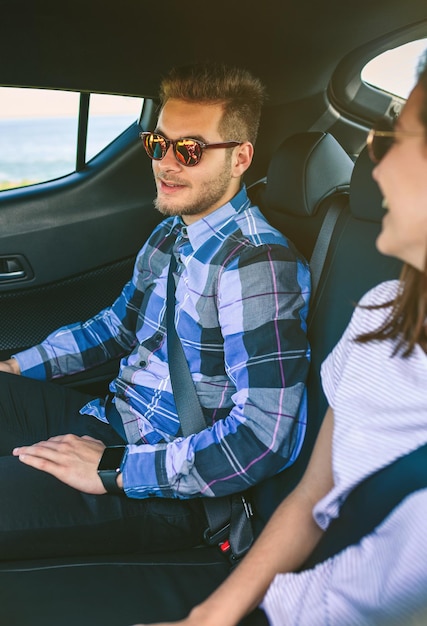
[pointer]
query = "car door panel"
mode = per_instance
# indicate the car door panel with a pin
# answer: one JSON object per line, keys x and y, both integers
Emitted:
{"x": 75, "y": 241}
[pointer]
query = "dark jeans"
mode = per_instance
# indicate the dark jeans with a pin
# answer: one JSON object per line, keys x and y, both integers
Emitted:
{"x": 41, "y": 516}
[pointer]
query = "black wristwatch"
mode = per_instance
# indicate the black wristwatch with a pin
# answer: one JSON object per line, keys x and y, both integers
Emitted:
{"x": 109, "y": 467}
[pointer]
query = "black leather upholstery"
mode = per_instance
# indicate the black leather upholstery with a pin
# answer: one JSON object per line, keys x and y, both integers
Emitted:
{"x": 365, "y": 199}
{"x": 305, "y": 169}
{"x": 352, "y": 266}
{"x": 304, "y": 172}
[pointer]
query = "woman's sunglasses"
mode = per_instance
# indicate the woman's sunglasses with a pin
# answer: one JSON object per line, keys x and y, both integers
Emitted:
{"x": 381, "y": 138}
{"x": 187, "y": 152}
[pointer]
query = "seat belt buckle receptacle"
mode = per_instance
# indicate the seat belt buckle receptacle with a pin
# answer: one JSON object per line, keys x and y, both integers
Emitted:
{"x": 218, "y": 537}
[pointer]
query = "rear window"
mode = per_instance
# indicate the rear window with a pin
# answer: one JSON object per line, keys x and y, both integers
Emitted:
{"x": 395, "y": 71}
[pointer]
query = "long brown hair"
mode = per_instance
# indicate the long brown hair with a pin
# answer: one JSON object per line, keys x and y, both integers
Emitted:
{"x": 406, "y": 322}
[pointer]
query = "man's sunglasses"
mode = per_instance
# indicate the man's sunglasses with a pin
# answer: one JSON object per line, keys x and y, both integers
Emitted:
{"x": 187, "y": 152}
{"x": 381, "y": 138}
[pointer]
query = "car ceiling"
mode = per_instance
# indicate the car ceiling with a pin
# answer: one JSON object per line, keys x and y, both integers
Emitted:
{"x": 125, "y": 46}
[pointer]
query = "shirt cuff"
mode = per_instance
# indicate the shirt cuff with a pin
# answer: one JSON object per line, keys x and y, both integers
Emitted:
{"x": 31, "y": 364}
{"x": 144, "y": 472}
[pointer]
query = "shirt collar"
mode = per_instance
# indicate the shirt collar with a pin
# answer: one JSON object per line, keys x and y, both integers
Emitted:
{"x": 208, "y": 226}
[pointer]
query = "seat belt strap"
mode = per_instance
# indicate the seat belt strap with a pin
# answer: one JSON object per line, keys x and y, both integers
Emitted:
{"x": 371, "y": 502}
{"x": 187, "y": 402}
{"x": 321, "y": 247}
{"x": 228, "y": 516}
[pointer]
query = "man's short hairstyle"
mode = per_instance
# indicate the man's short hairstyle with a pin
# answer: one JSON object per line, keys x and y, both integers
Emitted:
{"x": 241, "y": 94}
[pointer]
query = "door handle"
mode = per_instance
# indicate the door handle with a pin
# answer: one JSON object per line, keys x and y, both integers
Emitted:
{"x": 12, "y": 268}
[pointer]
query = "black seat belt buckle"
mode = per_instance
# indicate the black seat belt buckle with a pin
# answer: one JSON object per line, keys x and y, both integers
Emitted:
{"x": 217, "y": 538}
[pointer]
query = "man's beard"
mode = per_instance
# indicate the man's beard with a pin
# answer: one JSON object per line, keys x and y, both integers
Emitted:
{"x": 212, "y": 192}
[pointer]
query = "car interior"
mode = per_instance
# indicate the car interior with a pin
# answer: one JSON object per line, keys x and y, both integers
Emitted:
{"x": 311, "y": 176}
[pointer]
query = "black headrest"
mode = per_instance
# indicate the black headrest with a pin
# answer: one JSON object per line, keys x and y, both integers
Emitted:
{"x": 305, "y": 169}
{"x": 365, "y": 196}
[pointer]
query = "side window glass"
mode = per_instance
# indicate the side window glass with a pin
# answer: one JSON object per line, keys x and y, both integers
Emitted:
{"x": 38, "y": 135}
{"x": 109, "y": 116}
{"x": 39, "y": 131}
{"x": 395, "y": 71}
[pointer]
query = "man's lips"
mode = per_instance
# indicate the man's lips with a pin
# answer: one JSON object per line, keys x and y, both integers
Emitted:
{"x": 169, "y": 186}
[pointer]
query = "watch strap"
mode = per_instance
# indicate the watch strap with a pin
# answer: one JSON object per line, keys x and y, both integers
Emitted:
{"x": 109, "y": 480}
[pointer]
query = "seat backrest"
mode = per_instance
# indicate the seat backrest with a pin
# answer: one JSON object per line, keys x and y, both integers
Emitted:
{"x": 352, "y": 266}
{"x": 305, "y": 171}
{"x": 308, "y": 173}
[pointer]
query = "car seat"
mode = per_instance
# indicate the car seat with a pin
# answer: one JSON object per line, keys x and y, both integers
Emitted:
{"x": 120, "y": 590}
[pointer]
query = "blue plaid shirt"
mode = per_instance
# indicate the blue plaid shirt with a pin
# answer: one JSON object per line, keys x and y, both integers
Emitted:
{"x": 241, "y": 305}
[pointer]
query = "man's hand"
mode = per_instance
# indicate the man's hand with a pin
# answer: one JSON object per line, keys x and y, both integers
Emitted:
{"x": 10, "y": 366}
{"x": 73, "y": 460}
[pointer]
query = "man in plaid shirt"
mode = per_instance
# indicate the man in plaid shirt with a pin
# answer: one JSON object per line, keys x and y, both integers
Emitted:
{"x": 242, "y": 294}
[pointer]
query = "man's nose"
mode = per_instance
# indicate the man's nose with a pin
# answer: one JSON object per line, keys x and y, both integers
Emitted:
{"x": 169, "y": 161}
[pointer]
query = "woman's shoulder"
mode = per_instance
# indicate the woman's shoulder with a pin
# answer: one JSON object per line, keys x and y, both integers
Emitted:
{"x": 348, "y": 353}
{"x": 372, "y": 310}
{"x": 381, "y": 294}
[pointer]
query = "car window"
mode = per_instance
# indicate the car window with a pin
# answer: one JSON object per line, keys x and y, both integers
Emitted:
{"x": 395, "y": 71}
{"x": 38, "y": 131}
{"x": 108, "y": 117}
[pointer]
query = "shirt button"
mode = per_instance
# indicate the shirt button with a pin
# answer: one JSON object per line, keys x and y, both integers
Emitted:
{"x": 143, "y": 364}
{"x": 158, "y": 338}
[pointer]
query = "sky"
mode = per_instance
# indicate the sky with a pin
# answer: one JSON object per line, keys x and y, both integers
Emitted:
{"x": 48, "y": 103}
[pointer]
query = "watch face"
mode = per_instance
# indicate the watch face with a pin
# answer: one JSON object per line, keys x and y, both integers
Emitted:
{"x": 111, "y": 458}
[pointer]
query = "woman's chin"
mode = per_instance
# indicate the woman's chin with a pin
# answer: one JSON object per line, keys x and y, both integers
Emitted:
{"x": 384, "y": 245}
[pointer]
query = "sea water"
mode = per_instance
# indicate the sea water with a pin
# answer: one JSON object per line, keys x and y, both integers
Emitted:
{"x": 40, "y": 149}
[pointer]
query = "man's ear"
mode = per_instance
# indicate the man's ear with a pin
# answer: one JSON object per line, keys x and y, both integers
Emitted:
{"x": 242, "y": 158}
